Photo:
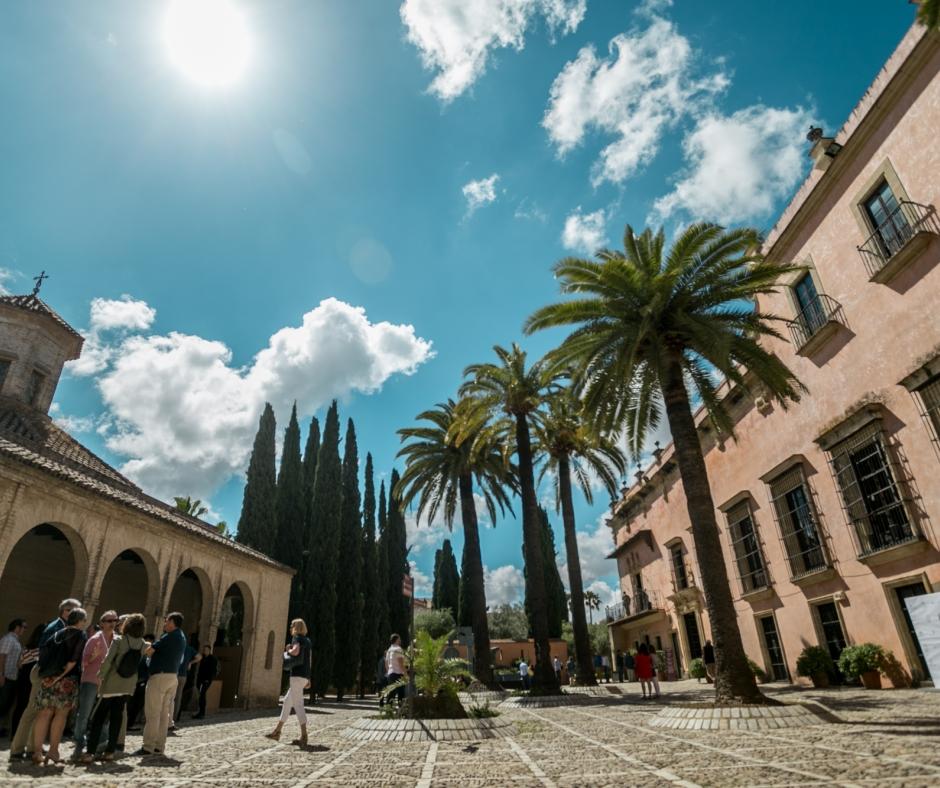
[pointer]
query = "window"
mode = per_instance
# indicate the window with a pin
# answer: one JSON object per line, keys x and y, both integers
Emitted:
{"x": 811, "y": 316}
{"x": 929, "y": 399}
{"x": 747, "y": 550}
{"x": 36, "y": 382}
{"x": 778, "y": 664}
{"x": 869, "y": 491}
{"x": 678, "y": 567}
{"x": 831, "y": 626}
{"x": 4, "y": 371}
{"x": 891, "y": 227}
{"x": 269, "y": 652}
{"x": 799, "y": 527}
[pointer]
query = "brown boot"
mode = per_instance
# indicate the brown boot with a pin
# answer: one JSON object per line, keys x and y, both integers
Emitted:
{"x": 302, "y": 741}
{"x": 276, "y": 733}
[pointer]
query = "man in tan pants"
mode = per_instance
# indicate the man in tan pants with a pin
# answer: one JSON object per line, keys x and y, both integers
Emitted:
{"x": 165, "y": 658}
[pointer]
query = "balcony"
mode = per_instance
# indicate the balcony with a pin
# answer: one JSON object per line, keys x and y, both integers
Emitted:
{"x": 643, "y": 603}
{"x": 815, "y": 324}
{"x": 898, "y": 240}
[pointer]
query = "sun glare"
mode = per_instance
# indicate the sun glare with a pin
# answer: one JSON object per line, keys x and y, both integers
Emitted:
{"x": 207, "y": 40}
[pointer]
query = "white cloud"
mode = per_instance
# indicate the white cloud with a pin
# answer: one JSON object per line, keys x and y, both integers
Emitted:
{"x": 593, "y": 548}
{"x": 653, "y": 7}
{"x": 739, "y": 166}
{"x": 424, "y": 585}
{"x": 107, "y": 315}
{"x": 456, "y": 37}
{"x": 423, "y": 535}
{"x": 504, "y": 585}
{"x": 645, "y": 86}
{"x": 585, "y": 232}
{"x": 71, "y": 424}
{"x": 7, "y": 275}
{"x": 480, "y": 193}
{"x": 528, "y": 209}
{"x": 185, "y": 416}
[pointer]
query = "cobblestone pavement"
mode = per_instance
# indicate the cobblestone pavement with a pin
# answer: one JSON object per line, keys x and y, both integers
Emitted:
{"x": 886, "y": 738}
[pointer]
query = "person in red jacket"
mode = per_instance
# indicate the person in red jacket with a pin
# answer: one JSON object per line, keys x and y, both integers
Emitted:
{"x": 644, "y": 670}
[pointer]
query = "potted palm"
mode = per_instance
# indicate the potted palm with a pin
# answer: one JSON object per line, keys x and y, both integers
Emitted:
{"x": 816, "y": 664}
{"x": 863, "y": 662}
{"x": 437, "y": 681}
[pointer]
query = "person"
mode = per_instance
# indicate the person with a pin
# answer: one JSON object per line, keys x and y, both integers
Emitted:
{"x": 394, "y": 667}
{"x": 629, "y": 662}
{"x": 708, "y": 657}
{"x": 58, "y": 684}
{"x": 524, "y": 674}
{"x": 11, "y": 649}
{"x": 190, "y": 657}
{"x": 96, "y": 649}
{"x": 657, "y": 666}
{"x": 605, "y": 666}
{"x": 644, "y": 670}
{"x": 23, "y": 737}
{"x": 297, "y": 662}
{"x": 620, "y": 666}
{"x": 570, "y": 667}
{"x": 205, "y": 674}
{"x": 165, "y": 657}
{"x": 556, "y": 663}
{"x": 136, "y": 704}
{"x": 28, "y": 660}
{"x": 114, "y": 689}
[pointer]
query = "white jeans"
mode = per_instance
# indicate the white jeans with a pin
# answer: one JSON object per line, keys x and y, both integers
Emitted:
{"x": 295, "y": 698}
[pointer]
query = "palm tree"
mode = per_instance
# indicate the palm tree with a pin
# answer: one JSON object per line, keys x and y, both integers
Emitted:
{"x": 593, "y": 602}
{"x": 514, "y": 389}
{"x": 187, "y": 505}
{"x": 569, "y": 445}
{"x": 439, "y": 473}
{"x": 650, "y": 326}
{"x": 929, "y": 13}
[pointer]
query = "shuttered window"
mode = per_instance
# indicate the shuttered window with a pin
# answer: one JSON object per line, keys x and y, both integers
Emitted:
{"x": 799, "y": 526}
{"x": 752, "y": 571}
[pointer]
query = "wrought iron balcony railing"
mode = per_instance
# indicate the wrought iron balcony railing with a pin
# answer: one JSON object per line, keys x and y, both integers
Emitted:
{"x": 906, "y": 221}
{"x": 813, "y": 318}
{"x": 616, "y": 612}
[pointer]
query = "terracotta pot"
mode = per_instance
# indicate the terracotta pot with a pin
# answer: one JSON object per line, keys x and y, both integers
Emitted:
{"x": 820, "y": 680}
{"x": 871, "y": 679}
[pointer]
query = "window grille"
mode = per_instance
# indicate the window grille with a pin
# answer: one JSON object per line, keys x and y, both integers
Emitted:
{"x": 929, "y": 395}
{"x": 751, "y": 568}
{"x": 799, "y": 526}
{"x": 678, "y": 568}
{"x": 870, "y": 494}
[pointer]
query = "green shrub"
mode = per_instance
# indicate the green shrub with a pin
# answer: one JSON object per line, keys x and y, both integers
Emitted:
{"x": 856, "y": 660}
{"x": 697, "y": 668}
{"x": 437, "y": 623}
{"x": 757, "y": 670}
{"x": 813, "y": 661}
{"x": 481, "y": 712}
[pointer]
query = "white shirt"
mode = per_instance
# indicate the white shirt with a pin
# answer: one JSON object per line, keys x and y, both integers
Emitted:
{"x": 11, "y": 646}
{"x": 557, "y": 664}
{"x": 395, "y": 660}
{"x": 523, "y": 669}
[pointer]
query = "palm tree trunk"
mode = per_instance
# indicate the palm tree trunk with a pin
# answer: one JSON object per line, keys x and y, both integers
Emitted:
{"x": 582, "y": 640}
{"x": 734, "y": 680}
{"x": 545, "y": 678}
{"x": 473, "y": 575}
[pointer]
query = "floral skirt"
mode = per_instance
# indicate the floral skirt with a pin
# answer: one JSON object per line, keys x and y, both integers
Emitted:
{"x": 61, "y": 695}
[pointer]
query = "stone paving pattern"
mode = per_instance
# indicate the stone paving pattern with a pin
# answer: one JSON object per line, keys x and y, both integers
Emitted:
{"x": 886, "y": 738}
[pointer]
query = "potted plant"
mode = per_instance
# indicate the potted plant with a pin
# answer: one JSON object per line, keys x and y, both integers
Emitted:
{"x": 697, "y": 669}
{"x": 863, "y": 662}
{"x": 437, "y": 681}
{"x": 816, "y": 664}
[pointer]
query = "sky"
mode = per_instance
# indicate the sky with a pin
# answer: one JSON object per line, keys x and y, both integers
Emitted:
{"x": 300, "y": 200}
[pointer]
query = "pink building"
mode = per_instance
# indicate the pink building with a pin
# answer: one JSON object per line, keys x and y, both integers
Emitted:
{"x": 830, "y": 510}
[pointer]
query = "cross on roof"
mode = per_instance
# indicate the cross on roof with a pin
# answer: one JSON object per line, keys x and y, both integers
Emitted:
{"x": 39, "y": 280}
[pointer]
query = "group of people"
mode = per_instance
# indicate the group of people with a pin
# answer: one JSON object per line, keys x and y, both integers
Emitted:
{"x": 105, "y": 680}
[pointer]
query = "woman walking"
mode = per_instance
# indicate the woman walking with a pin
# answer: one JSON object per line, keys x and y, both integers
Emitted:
{"x": 644, "y": 670}
{"x": 656, "y": 659}
{"x": 297, "y": 662}
{"x": 116, "y": 682}
{"x": 58, "y": 691}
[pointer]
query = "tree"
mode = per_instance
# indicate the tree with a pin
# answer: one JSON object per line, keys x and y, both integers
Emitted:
{"x": 324, "y": 553}
{"x": 509, "y": 622}
{"x": 647, "y": 327}
{"x": 442, "y": 471}
{"x": 447, "y": 580}
{"x": 256, "y": 523}
{"x": 381, "y": 554}
{"x": 436, "y": 585}
{"x": 514, "y": 388}
{"x": 928, "y": 13}
{"x": 399, "y": 608}
{"x": 187, "y": 505}
{"x": 569, "y": 445}
{"x": 307, "y": 563}
{"x": 437, "y": 623}
{"x": 290, "y": 509}
{"x": 556, "y": 599}
{"x": 348, "y": 589}
{"x": 593, "y": 602}
{"x": 369, "y": 648}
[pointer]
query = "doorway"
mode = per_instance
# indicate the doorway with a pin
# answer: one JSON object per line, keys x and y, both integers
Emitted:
{"x": 904, "y": 593}
{"x": 778, "y": 664}
{"x": 690, "y": 622}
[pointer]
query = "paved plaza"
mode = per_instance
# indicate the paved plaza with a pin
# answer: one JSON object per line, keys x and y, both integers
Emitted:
{"x": 886, "y": 738}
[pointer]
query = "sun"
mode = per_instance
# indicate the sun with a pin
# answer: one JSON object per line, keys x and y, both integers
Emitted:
{"x": 207, "y": 40}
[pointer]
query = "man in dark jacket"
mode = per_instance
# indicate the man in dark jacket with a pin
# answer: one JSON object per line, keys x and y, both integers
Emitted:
{"x": 205, "y": 674}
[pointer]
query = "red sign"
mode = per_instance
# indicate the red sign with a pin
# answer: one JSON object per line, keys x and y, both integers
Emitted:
{"x": 407, "y": 586}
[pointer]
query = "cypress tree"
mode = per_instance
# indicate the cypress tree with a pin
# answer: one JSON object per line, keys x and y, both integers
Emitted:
{"x": 324, "y": 554}
{"x": 348, "y": 588}
{"x": 256, "y": 525}
{"x": 369, "y": 648}
{"x": 447, "y": 581}
{"x": 399, "y": 606}
{"x": 290, "y": 509}
{"x": 384, "y": 626}
{"x": 557, "y": 602}
{"x": 309, "y": 470}
{"x": 436, "y": 588}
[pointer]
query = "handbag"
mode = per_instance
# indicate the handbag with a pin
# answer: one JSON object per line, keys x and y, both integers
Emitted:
{"x": 290, "y": 661}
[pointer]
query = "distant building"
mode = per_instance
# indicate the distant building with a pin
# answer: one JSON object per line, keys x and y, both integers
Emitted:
{"x": 829, "y": 511}
{"x": 71, "y": 525}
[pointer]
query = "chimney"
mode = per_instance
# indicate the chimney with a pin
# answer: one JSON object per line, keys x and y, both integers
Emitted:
{"x": 824, "y": 149}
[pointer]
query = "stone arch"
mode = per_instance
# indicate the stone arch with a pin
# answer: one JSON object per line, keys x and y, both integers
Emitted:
{"x": 234, "y": 641}
{"x": 48, "y": 563}
{"x": 130, "y": 583}
{"x": 191, "y": 595}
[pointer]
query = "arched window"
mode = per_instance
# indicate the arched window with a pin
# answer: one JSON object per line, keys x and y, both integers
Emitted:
{"x": 269, "y": 654}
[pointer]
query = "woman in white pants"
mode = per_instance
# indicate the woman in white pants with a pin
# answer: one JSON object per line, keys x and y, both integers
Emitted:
{"x": 297, "y": 663}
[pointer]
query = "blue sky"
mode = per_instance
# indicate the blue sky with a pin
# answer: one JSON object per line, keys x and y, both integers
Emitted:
{"x": 376, "y": 197}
